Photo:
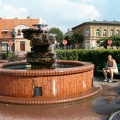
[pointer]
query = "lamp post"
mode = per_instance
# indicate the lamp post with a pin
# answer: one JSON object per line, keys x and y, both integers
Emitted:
{"x": 13, "y": 34}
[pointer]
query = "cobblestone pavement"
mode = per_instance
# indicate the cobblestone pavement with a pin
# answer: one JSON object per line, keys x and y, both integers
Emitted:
{"x": 96, "y": 108}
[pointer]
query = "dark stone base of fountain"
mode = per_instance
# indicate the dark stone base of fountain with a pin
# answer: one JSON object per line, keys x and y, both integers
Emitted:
{"x": 96, "y": 90}
{"x": 39, "y": 60}
{"x": 42, "y": 66}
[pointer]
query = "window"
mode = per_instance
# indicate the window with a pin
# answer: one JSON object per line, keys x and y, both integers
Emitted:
{"x": 22, "y": 45}
{"x": 18, "y": 32}
{"x": 111, "y": 32}
{"x": 4, "y": 46}
{"x": 118, "y": 32}
{"x": 87, "y": 32}
{"x": 4, "y": 32}
{"x": 97, "y": 32}
{"x": 105, "y": 33}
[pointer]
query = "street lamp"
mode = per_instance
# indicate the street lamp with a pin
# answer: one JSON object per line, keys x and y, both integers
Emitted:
{"x": 13, "y": 34}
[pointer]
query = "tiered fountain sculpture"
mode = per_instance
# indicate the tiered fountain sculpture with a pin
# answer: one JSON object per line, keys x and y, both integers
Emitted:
{"x": 42, "y": 55}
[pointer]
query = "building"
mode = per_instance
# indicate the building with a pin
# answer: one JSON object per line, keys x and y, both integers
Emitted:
{"x": 94, "y": 30}
{"x": 11, "y": 31}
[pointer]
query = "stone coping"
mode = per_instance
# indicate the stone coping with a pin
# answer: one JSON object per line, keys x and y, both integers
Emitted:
{"x": 82, "y": 67}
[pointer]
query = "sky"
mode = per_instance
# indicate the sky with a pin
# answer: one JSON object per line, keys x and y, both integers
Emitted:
{"x": 63, "y": 14}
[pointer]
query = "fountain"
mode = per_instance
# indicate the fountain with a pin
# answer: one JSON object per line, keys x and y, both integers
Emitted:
{"x": 42, "y": 82}
{"x": 42, "y": 55}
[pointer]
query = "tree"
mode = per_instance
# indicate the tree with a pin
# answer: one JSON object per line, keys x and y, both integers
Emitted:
{"x": 115, "y": 39}
{"x": 58, "y": 33}
{"x": 104, "y": 41}
{"x": 77, "y": 38}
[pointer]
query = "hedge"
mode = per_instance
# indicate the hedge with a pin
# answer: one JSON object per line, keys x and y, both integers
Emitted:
{"x": 67, "y": 54}
{"x": 97, "y": 57}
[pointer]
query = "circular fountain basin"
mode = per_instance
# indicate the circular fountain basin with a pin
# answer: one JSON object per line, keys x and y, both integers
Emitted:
{"x": 25, "y": 86}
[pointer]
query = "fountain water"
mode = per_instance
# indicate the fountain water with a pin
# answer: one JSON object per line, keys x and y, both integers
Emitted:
{"x": 42, "y": 84}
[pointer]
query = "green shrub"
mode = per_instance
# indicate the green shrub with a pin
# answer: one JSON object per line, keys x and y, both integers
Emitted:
{"x": 3, "y": 56}
{"x": 97, "y": 57}
{"x": 11, "y": 57}
{"x": 67, "y": 54}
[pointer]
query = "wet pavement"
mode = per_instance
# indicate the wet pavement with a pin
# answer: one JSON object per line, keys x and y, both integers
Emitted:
{"x": 95, "y": 108}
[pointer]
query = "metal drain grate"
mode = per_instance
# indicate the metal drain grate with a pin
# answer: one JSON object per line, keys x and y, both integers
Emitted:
{"x": 38, "y": 91}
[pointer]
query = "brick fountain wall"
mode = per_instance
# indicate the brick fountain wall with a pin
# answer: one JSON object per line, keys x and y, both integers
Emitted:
{"x": 50, "y": 83}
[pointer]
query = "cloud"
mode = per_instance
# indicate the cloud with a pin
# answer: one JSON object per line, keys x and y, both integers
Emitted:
{"x": 12, "y": 12}
{"x": 67, "y": 10}
{"x": 9, "y": 11}
{"x": 78, "y": 11}
{"x": 88, "y": 0}
{"x": 62, "y": 13}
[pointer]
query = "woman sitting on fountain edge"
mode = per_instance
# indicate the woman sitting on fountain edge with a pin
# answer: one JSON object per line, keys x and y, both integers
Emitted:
{"x": 111, "y": 67}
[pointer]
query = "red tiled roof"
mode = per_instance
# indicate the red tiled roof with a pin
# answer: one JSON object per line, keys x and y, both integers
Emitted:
{"x": 9, "y": 24}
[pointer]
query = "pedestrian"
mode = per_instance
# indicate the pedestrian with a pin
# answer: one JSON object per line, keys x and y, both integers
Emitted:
{"x": 111, "y": 68}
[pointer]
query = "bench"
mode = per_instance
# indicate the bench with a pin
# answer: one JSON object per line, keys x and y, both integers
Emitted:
{"x": 100, "y": 67}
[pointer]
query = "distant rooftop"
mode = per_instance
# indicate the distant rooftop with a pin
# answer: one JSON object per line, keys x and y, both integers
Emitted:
{"x": 104, "y": 22}
{"x": 9, "y": 24}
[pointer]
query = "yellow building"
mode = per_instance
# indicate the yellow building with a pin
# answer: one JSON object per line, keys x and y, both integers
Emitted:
{"x": 94, "y": 30}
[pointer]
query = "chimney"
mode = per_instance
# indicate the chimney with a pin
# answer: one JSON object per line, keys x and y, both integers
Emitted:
{"x": 16, "y": 18}
{"x": 28, "y": 17}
